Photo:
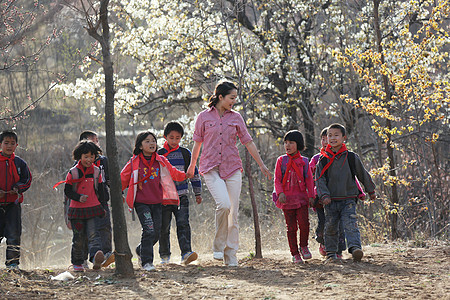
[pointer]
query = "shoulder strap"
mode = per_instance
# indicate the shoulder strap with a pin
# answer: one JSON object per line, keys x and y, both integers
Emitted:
{"x": 186, "y": 157}
{"x": 75, "y": 175}
{"x": 305, "y": 168}
{"x": 284, "y": 162}
{"x": 96, "y": 176}
{"x": 351, "y": 163}
{"x": 323, "y": 162}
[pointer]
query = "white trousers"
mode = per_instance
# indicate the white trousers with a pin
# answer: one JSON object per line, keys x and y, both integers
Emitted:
{"x": 226, "y": 193}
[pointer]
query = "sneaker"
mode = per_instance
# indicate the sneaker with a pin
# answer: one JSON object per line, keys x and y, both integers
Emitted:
{"x": 99, "y": 258}
{"x": 85, "y": 264}
{"x": 357, "y": 254}
{"x": 188, "y": 258}
{"x": 218, "y": 255}
{"x": 333, "y": 260}
{"x": 297, "y": 259}
{"x": 110, "y": 258}
{"x": 78, "y": 268}
{"x": 166, "y": 260}
{"x": 149, "y": 267}
{"x": 305, "y": 252}
{"x": 233, "y": 264}
{"x": 13, "y": 267}
{"x": 322, "y": 250}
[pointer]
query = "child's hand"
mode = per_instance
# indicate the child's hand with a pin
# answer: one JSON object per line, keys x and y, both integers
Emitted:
{"x": 282, "y": 198}
{"x": 83, "y": 198}
{"x": 198, "y": 199}
{"x": 362, "y": 197}
{"x": 326, "y": 201}
{"x": 373, "y": 196}
{"x": 311, "y": 202}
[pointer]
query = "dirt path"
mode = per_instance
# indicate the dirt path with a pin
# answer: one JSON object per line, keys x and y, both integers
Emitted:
{"x": 386, "y": 272}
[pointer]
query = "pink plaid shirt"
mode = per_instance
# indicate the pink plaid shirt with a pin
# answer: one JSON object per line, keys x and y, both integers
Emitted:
{"x": 218, "y": 135}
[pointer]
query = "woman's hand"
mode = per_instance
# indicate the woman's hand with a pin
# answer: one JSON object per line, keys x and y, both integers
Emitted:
{"x": 265, "y": 171}
{"x": 190, "y": 171}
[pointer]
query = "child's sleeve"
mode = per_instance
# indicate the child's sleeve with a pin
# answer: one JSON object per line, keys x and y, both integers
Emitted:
{"x": 103, "y": 195}
{"x": 196, "y": 183}
{"x": 277, "y": 180}
{"x": 68, "y": 189}
{"x": 125, "y": 175}
{"x": 363, "y": 176}
{"x": 321, "y": 183}
{"x": 24, "y": 178}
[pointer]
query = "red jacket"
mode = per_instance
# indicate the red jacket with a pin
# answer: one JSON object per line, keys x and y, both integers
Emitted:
{"x": 129, "y": 176}
{"x": 7, "y": 182}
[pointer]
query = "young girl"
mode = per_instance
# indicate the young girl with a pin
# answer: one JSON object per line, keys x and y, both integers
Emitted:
{"x": 84, "y": 187}
{"x": 294, "y": 191}
{"x": 148, "y": 177}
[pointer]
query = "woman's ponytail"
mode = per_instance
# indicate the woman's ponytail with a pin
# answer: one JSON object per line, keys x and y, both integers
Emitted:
{"x": 223, "y": 88}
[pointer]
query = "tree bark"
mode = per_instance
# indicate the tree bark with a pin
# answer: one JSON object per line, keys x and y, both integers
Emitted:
{"x": 248, "y": 171}
{"x": 390, "y": 149}
{"x": 123, "y": 255}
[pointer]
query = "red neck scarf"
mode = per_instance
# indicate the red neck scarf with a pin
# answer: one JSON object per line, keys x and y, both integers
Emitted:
{"x": 84, "y": 172}
{"x": 147, "y": 164}
{"x": 167, "y": 147}
{"x": 292, "y": 164}
{"x": 328, "y": 153}
{"x": 12, "y": 170}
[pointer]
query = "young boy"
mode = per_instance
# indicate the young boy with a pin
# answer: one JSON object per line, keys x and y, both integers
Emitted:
{"x": 337, "y": 189}
{"x": 318, "y": 207}
{"x": 180, "y": 158}
{"x": 102, "y": 225}
{"x": 15, "y": 178}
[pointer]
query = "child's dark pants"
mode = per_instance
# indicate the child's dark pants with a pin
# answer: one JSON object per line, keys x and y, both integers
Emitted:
{"x": 321, "y": 226}
{"x": 11, "y": 229}
{"x": 341, "y": 211}
{"x": 150, "y": 217}
{"x": 103, "y": 225}
{"x": 85, "y": 240}
{"x": 183, "y": 228}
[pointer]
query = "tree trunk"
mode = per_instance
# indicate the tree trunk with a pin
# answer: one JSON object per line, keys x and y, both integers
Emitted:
{"x": 248, "y": 171}
{"x": 390, "y": 150}
{"x": 123, "y": 255}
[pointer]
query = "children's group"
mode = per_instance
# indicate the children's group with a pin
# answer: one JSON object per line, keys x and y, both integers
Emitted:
{"x": 157, "y": 190}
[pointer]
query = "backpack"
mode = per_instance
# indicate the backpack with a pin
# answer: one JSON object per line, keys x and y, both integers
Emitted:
{"x": 283, "y": 167}
{"x": 76, "y": 175}
{"x": 351, "y": 162}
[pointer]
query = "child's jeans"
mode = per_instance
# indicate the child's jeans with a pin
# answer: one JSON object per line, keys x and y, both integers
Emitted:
{"x": 297, "y": 219}
{"x": 85, "y": 240}
{"x": 11, "y": 229}
{"x": 183, "y": 228}
{"x": 150, "y": 217}
{"x": 103, "y": 225}
{"x": 321, "y": 226}
{"x": 226, "y": 193}
{"x": 341, "y": 211}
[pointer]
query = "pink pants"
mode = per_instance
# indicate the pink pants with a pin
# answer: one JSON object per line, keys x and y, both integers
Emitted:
{"x": 297, "y": 219}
